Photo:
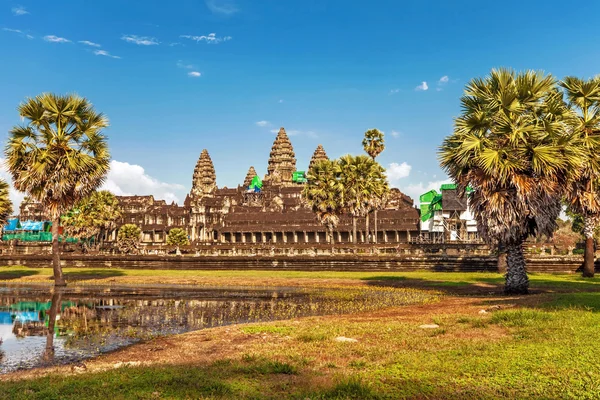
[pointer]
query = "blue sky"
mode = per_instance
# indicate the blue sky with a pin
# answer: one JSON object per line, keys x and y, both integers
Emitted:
{"x": 176, "y": 77}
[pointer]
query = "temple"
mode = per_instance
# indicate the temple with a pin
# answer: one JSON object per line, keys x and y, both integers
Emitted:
{"x": 258, "y": 211}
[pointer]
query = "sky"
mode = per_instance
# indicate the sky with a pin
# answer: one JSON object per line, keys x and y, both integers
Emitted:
{"x": 180, "y": 76}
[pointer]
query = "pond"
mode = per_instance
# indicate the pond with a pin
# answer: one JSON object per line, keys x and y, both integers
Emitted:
{"x": 40, "y": 328}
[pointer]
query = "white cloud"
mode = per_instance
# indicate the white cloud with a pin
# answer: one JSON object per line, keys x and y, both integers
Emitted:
{"x": 15, "y": 196}
{"x": 416, "y": 190}
{"x": 444, "y": 79}
{"x": 226, "y": 7}
{"x": 126, "y": 179}
{"x": 104, "y": 53}
{"x": 175, "y": 44}
{"x": 423, "y": 86}
{"x": 88, "y": 43}
{"x": 56, "y": 39}
{"x": 140, "y": 40}
{"x": 21, "y": 33}
{"x": 20, "y": 10}
{"x": 394, "y": 91}
{"x": 194, "y": 74}
{"x": 263, "y": 123}
{"x": 396, "y": 171}
{"x": 280, "y": 101}
{"x": 211, "y": 38}
{"x": 395, "y": 133}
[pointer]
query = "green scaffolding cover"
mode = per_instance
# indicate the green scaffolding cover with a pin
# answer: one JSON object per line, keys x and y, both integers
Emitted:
{"x": 256, "y": 183}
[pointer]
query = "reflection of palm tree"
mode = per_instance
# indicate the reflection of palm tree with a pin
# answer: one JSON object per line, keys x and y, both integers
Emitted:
{"x": 48, "y": 355}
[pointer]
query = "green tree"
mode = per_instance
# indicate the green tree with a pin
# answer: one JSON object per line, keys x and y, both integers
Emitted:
{"x": 5, "y": 204}
{"x": 129, "y": 238}
{"x": 177, "y": 237}
{"x": 583, "y": 193}
{"x": 364, "y": 187}
{"x": 374, "y": 144}
{"x": 93, "y": 216}
{"x": 323, "y": 194}
{"x": 511, "y": 145}
{"x": 58, "y": 156}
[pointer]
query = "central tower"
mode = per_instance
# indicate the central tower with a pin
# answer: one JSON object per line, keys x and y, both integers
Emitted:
{"x": 282, "y": 160}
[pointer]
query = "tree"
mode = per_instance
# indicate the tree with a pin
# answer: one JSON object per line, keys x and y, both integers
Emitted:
{"x": 177, "y": 237}
{"x": 129, "y": 238}
{"x": 5, "y": 204}
{"x": 93, "y": 216}
{"x": 364, "y": 186}
{"x": 323, "y": 194}
{"x": 583, "y": 194}
{"x": 58, "y": 157}
{"x": 512, "y": 145}
{"x": 374, "y": 144}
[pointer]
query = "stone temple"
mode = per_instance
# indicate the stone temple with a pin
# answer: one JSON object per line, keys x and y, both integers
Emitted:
{"x": 273, "y": 214}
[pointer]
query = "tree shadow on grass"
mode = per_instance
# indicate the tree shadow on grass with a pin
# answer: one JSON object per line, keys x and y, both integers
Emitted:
{"x": 89, "y": 274}
{"x": 485, "y": 286}
{"x": 16, "y": 273}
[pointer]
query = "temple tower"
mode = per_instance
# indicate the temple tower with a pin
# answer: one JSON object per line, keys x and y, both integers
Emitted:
{"x": 249, "y": 176}
{"x": 318, "y": 155}
{"x": 282, "y": 160}
{"x": 204, "y": 181}
{"x": 204, "y": 184}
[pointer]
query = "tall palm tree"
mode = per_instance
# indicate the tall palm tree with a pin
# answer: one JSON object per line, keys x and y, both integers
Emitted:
{"x": 5, "y": 205}
{"x": 583, "y": 194}
{"x": 58, "y": 157}
{"x": 323, "y": 194}
{"x": 374, "y": 144}
{"x": 364, "y": 186}
{"x": 512, "y": 145}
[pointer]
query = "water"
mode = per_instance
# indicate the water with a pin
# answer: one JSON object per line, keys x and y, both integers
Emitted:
{"x": 38, "y": 328}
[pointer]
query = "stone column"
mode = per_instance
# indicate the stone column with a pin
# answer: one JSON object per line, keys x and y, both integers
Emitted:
{"x": 305, "y": 237}
{"x": 295, "y": 237}
{"x": 273, "y": 237}
{"x": 284, "y": 236}
{"x": 253, "y": 234}
{"x": 243, "y": 237}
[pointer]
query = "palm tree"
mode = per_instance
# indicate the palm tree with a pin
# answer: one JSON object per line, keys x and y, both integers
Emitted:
{"x": 323, "y": 193}
{"x": 583, "y": 194}
{"x": 512, "y": 145}
{"x": 364, "y": 187}
{"x": 374, "y": 144}
{"x": 58, "y": 157}
{"x": 5, "y": 204}
{"x": 93, "y": 216}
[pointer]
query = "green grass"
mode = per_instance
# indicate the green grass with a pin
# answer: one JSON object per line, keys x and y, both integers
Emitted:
{"x": 442, "y": 280}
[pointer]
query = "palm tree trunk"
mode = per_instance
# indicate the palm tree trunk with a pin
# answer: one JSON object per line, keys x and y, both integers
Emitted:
{"x": 588, "y": 258}
{"x": 58, "y": 275}
{"x": 367, "y": 228}
{"x": 354, "y": 230}
{"x": 517, "y": 281}
{"x": 54, "y": 310}
{"x": 375, "y": 238}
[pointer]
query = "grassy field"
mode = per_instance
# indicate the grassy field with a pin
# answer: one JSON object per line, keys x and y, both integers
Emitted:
{"x": 486, "y": 346}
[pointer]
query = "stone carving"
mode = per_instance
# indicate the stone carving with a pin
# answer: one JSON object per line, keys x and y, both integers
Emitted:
{"x": 282, "y": 160}
{"x": 318, "y": 155}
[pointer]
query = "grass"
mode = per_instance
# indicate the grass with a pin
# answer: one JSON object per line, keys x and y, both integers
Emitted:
{"x": 537, "y": 346}
{"x": 448, "y": 281}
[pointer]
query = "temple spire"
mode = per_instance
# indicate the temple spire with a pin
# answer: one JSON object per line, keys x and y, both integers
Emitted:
{"x": 318, "y": 155}
{"x": 251, "y": 174}
{"x": 282, "y": 160}
{"x": 205, "y": 180}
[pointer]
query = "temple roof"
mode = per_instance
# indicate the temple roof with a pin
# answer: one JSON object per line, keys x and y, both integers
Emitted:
{"x": 205, "y": 179}
{"x": 282, "y": 160}
{"x": 318, "y": 155}
{"x": 251, "y": 174}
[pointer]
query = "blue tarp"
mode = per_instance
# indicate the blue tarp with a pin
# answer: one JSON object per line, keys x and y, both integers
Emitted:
{"x": 12, "y": 225}
{"x": 32, "y": 226}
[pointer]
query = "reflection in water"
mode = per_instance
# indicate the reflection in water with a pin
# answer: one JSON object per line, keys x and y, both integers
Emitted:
{"x": 54, "y": 306}
{"x": 82, "y": 322}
